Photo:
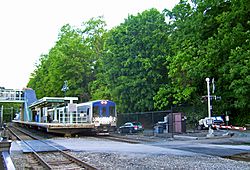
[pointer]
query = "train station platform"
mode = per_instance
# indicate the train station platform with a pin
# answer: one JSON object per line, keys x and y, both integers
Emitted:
{"x": 60, "y": 128}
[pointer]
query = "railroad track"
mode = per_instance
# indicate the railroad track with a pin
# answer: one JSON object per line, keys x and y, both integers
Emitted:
{"x": 21, "y": 135}
{"x": 55, "y": 159}
{"x": 121, "y": 139}
{"x": 126, "y": 139}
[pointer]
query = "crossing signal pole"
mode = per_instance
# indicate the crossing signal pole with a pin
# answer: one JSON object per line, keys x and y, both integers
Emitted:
{"x": 209, "y": 99}
{"x": 210, "y": 121}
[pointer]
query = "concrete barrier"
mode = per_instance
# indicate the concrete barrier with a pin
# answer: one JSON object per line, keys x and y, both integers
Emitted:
{"x": 6, "y": 162}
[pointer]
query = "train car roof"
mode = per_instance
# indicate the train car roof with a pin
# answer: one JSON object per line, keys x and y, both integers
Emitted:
{"x": 95, "y": 101}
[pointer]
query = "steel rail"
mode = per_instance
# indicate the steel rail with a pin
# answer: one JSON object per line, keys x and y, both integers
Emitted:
{"x": 78, "y": 161}
{"x": 40, "y": 159}
{"x": 119, "y": 139}
{"x": 126, "y": 139}
{"x": 16, "y": 135}
{"x": 72, "y": 158}
{"x": 67, "y": 155}
{"x": 28, "y": 134}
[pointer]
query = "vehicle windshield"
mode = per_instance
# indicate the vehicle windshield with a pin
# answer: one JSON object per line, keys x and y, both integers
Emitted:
{"x": 104, "y": 109}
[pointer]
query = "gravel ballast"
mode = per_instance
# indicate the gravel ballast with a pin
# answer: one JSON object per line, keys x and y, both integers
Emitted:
{"x": 117, "y": 161}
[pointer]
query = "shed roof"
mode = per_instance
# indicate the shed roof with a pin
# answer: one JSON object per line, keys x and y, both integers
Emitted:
{"x": 49, "y": 101}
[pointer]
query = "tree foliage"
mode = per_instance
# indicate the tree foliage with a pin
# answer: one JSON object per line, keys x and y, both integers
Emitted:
{"x": 135, "y": 60}
{"x": 73, "y": 59}
{"x": 209, "y": 39}
{"x": 155, "y": 60}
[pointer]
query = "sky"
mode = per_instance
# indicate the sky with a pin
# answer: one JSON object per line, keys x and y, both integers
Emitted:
{"x": 29, "y": 28}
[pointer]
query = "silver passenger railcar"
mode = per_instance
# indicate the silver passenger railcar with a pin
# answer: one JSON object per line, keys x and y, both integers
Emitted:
{"x": 100, "y": 113}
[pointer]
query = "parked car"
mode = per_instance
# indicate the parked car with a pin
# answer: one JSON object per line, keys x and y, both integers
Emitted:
{"x": 131, "y": 127}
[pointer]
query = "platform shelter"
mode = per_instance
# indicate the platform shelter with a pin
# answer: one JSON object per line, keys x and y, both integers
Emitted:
{"x": 39, "y": 109}
{"x": 47, "y": 114}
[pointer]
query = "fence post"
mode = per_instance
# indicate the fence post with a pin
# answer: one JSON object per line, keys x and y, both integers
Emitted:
{"x": 1, "y": 115}
{"x": 152, "y": 120}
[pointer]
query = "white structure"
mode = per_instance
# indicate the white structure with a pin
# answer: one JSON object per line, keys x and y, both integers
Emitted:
{"x": 209, "y": 120}
{"x": 10, "y": 95}
{"x": 45, "y": 110}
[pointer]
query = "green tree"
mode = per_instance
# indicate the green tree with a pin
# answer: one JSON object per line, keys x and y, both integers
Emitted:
{"x": 39, "y": 78}
{"x": 134, "y": 61}
{"x": 208, "y": 39}
{"x": 73, "y": 59}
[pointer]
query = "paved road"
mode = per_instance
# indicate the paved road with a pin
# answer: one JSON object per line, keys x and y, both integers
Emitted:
{"x": 205, "y": 148}
{"x": 218, "y": 146}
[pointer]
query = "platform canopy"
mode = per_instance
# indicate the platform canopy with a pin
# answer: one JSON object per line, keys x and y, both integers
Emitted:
{"x": 51, "y": 101}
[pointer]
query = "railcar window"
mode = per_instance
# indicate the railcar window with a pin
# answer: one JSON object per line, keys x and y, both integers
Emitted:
{"x": 96, "y": 111}
{"x": 112, "y": 111}
{"x": 104, "y": 111}
{"x": 82, "y": 109}
{"x": 88, "y": 111}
